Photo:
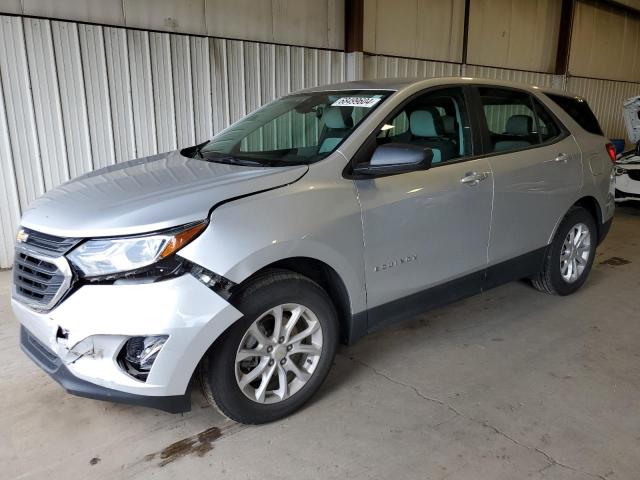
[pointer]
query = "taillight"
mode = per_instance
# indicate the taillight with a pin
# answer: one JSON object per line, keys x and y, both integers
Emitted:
{"x": 611, "y": 150}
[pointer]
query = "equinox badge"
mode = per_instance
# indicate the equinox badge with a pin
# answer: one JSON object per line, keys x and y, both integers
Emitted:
{"x": 395, "y": 263}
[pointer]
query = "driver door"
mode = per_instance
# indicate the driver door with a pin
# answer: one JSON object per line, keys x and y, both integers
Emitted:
{"x": 426, "y": 232}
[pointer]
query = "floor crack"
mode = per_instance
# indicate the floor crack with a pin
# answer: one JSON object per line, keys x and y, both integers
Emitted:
{"x": 550, "y": 460}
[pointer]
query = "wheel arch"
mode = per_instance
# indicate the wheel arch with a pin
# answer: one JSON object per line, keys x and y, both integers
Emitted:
{"x": 329, "y": 279}
{"x": 591, "y": 205}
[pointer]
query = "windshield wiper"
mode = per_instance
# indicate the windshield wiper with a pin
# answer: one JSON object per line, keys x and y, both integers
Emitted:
{"x": 231, "y": 160}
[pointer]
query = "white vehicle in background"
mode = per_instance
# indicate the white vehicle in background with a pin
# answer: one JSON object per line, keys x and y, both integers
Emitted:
{"x": 628, "y": 164}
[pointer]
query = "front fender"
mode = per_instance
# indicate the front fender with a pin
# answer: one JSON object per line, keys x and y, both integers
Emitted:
{"x": 314, "y": 219}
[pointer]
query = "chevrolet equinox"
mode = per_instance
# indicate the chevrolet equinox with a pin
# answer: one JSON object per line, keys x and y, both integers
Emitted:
{"x": 241, "y": 263}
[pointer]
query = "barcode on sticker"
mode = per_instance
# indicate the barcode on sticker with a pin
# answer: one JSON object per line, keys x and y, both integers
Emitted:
{"x": 366, "y": 102}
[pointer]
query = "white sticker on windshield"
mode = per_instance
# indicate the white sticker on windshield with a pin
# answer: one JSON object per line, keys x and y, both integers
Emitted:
{"x": 366, "y": 102}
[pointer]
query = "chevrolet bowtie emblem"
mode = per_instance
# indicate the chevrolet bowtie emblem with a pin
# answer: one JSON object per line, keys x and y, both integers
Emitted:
{"x": 22, "y": 236}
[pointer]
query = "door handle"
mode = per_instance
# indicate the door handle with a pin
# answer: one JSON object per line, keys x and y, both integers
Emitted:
{"x": 561, "y": 158}
{"x": 474, "y": 178}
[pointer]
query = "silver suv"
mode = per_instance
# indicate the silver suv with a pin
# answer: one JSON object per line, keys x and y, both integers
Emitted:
{"x": 242, "y": 262}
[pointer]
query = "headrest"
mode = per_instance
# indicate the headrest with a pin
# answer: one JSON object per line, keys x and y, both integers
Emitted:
{"x": 422, "y": 124}
{"x": 449, "y": 124}
{"x": 519, "y": 125}
{"x": 335, "y": 118}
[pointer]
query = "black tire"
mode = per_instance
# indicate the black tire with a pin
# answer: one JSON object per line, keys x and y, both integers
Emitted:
{"x": 266, "y": 291}
{"x": 549, "y": 279}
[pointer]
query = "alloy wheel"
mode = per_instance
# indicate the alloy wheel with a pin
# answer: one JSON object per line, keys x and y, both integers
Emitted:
{"x": 278, "y": 353}
{"x": 574, "y": 256}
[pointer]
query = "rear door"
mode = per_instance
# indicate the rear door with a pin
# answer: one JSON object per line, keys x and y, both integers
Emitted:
{"x": 537, "y": 170}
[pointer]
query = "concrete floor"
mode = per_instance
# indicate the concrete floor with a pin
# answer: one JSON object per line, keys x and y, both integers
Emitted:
{"x": 511, "y": 384}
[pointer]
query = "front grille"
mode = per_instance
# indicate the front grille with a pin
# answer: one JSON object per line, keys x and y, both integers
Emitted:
{"x": 53, "y": 246}
{"x": 41, "y": 274}
{"x": 36, "y": 280}
{"x": 634, "y": 175}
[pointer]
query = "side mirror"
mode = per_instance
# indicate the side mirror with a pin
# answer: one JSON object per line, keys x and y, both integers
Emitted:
{"x": 392, "y": 158}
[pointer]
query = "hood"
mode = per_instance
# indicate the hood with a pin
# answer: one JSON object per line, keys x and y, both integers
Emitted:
{"x": 148, "y": 194}
{"x": 631, "y": 107}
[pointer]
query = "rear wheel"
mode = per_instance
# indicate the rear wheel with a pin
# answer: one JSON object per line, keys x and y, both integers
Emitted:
{"x": 569, "y": 258}
{"x": 273, "y": 360}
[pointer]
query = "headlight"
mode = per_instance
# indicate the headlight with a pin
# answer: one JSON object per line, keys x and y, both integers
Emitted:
{"x": 620, "y": 171}
{"x": 107, "y": 256}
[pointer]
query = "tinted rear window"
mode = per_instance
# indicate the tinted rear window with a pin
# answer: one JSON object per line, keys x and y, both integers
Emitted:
{"x": 579, "y": 110}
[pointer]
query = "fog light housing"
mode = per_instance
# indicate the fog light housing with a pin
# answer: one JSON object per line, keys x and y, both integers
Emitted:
{"x": 139, "y": 353}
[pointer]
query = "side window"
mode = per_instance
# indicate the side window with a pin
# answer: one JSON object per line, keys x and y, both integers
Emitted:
{"x": 547, "y": 127}
{"x": 510, "y": 118}
{"x": 515, "y": 119}
{"x": 578, "y": 109}
{"x": 438, "y": 120}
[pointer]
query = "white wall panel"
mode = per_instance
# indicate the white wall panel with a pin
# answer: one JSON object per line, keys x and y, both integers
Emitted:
{"x": 119, "y": 79}
{"x": 312, "y": 23}
{"x": 76, "y": 97}
{"x": 9, "y": 202}
{"x": 201, "y": 88}
{"x": 518, "y": 34}
{"x": 379, "y": 66}
{"x": 46, "y": 97}
{"x": 96, "y": 85}
{"x": 235, "y": 79}
{"x": 95, "y": 11}
{"x": 429, "y": 29}
{"x": 605, "y": 43}
{"x": 182, "y": 89}
{"x": 143, "y": 109}
{"x": 162, "y": 86}
{"x": 219, "y": 90}
{"x": 14, "y": 72}
{"x": 184, "y": 16}
{"x": 11, "y": 6}
{"x": 72, "y": 96}
{"x": 530, "y": 78}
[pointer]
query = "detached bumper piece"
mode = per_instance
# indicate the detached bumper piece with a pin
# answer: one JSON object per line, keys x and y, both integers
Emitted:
{"x": 53, "y": 365}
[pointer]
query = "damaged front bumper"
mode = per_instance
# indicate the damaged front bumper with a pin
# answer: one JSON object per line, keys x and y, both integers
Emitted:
{"x": 55, "y": 367}
{"x": 79, "y": 343}
{"x": 627, "y": 179}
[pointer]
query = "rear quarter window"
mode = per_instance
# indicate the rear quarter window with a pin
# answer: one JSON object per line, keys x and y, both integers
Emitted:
{"x": 578, "y": 109}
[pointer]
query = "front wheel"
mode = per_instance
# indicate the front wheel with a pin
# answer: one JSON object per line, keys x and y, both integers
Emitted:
{"x": 275, "y": 358}
{"x": 570, "y": 255}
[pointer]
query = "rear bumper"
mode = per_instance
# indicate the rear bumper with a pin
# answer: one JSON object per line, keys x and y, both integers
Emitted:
{"x": 53, "y": 365}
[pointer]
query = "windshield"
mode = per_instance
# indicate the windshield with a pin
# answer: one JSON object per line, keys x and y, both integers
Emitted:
{"x": 297, "y": 129}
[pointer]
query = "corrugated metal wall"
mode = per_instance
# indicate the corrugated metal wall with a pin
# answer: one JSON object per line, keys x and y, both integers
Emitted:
{"x": 76, "y": 97}
{"x": 381, "y": 66}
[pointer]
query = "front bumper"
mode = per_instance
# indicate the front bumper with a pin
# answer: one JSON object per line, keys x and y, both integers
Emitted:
{"x": 53, "y": 365}
{"x": 99, "y": 319}
{"x": 627, "y": 188}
